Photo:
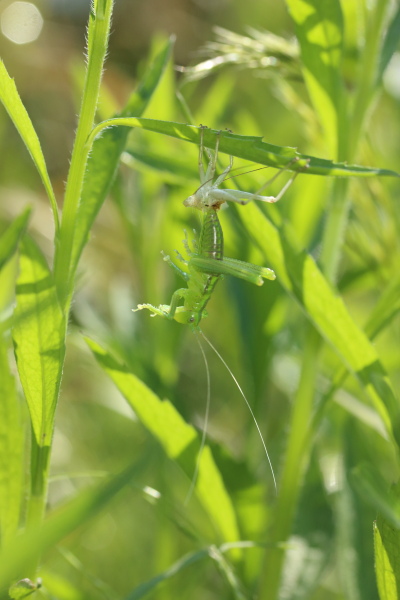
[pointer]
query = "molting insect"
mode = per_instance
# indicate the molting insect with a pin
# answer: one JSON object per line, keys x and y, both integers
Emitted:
{"x": 206, "y": 265}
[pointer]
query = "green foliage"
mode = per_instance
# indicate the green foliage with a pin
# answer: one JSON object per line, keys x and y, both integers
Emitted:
{"x": 316, "y": 350}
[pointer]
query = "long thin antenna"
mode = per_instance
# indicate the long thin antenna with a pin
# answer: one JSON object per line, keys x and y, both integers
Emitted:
{"x": 204, "y": 433}
{"x": 248, "y": 406}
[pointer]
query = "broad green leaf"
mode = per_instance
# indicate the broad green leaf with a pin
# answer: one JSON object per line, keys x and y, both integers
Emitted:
{"x": 105, "y": 155}
{"x": 248, "y": 147}
{"x": 11, "y": 450}
{"x": 12, "y": 103}
{"x": 179, "y": 440}
{"x": 300, "y": 276}
{"x": 16, "y": 557}
{"x": 39, "y": 340}
{"x": 387, "y": 557}
{"x": 319, "y": 29}
{"x": 9, "y": 240}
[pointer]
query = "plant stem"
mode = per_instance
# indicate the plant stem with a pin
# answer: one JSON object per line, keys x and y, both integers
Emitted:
{"x": 295, "y": 462}
{"x": 98, "y": 31}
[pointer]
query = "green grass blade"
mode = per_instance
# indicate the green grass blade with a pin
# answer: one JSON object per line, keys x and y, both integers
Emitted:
{"x": 248, "y": 147}
{"x": 10, "y": 238}
{"x": 186, "y": 561}
{"x": 390, "y": 44}
{"x": 371, "y": 486}
{"x": 105, "y": 155}
{"x": 97, "y": 36}
{"x": 11, "y": 451}
{"x": 12, "y": 103}
{"x": 300, "y": 276}
{"x": 179, "y": 440}
{"x": 311, "y": 544}
{"x": 27, "y": 548}
{"x": 39, "y": 340}
{"x": 387, "y": 565}
{"x": 319, "y": 29}
{"x": 353, "y": 519}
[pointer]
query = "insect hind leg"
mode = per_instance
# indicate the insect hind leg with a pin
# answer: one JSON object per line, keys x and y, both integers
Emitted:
{"x": 204, "y": 177}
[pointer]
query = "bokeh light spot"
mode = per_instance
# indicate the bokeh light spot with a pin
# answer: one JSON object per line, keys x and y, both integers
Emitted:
{"x": 21, "y": 22}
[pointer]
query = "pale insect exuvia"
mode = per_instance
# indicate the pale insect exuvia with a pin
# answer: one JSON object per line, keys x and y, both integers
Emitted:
{"x": 209, "y": 194}
{"x": 206, "y": 265}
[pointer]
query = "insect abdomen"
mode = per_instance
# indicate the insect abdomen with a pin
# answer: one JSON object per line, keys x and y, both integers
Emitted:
{"x": 211, "y": 242}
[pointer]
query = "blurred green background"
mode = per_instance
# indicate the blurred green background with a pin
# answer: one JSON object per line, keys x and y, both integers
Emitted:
{"x": 260, "y": 332}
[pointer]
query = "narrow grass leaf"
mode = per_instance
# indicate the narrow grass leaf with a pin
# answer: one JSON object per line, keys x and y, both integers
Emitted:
{"x": 39, "y": 340}
{"x": 105, "y": 155}
{"x": 17, "y": 556}
{"x": 353, "y": 520}
{"x": 310, "y": 546}
{"x": 11, "y": 450}
{"x": 319, "y": 29}
{"x": 179, "y": 440}
{"x": 300, "y": 276}
{"x": 390, "y": 44}
{"x": 373, "y": 488}
{"x": 250, "y": 148}
{"x": 12, "y": 103}
{"x": 10, "y": 238}
{"x": 387, "y": 563}
{"x": 186, "y": 561}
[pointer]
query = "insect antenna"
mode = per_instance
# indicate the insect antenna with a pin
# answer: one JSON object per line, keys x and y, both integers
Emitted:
{"x": 248, "y": 406}
{"x": 204, "y": 432}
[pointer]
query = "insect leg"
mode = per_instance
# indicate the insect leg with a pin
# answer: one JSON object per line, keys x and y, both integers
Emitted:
{"x": 203, "y": 174}
{"x": 224, "y": 173}
{"x": 181, "y": 273}
{"x": 230, "y": 266}
{"x": 287, "y": 184}
{"x": 181, "y": 258}
{"x": 176, "y": 296}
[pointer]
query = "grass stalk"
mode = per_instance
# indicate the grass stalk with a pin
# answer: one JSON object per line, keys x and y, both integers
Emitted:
{"x": 98, "y": 32}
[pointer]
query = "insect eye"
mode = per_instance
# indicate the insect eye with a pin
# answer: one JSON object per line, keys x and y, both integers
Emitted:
{"x": 191, "y": 320}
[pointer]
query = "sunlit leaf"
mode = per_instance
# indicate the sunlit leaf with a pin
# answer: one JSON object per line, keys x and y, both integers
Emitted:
{"x": 179, "y": 440}
{"x": 39, "y": 340}
{"x": 12, "y": 103}
{"x": 387, "y": 564}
